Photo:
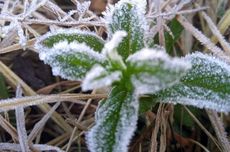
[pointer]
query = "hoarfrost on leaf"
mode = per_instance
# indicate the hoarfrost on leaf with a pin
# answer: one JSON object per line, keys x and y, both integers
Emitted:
{"x": 98, "y": 77}
{"x": 110, "y": 49}
{"x": 71, "y": 60}
{"x": 206, "y": 85}
{"x": 154, "y": 70}
{"x": 126, "y": 16}
{"x": 116, "y": 122}
{"x": 114, "y": 42}
{"x": 89, "y": 38}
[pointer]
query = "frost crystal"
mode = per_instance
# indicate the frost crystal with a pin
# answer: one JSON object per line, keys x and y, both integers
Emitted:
{"x": 83, "y": 7}
{"x": 98, "y": 77}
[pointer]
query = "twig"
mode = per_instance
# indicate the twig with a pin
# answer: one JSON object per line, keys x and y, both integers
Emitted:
{"x": 219, "y": 130}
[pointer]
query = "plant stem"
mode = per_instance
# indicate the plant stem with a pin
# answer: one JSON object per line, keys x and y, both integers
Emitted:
{"x": 219, "y": 129}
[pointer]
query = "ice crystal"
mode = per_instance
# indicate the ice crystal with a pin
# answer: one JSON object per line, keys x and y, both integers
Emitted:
{"x": 98, "y": 77}
{"x": 83, "y": 7}
{"x": 35, "y": 4}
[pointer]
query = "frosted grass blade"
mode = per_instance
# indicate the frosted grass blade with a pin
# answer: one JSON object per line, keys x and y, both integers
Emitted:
{"x": 115, "y": 122}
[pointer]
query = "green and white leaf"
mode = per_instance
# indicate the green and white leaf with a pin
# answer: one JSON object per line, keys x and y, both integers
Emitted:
{"x": 99, "y": 77}
{"x": 127, "y": 16}
{"x": 153, "y": 70}
{"x": 206, "y": 85}
{"x": 115, "y": 122}
{"x": 70, "y": 35}
{"x": 71, "y": 60}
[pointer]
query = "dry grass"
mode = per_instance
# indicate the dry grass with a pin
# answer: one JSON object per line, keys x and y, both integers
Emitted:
{"x": 44, "y": 117}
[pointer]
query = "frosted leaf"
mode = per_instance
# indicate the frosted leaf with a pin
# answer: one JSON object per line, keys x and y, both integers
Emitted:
{"x": 116, "y": 123}
{"x": 153, "y": 70}
{"x": 71, "y": 60}
{"x": 127, "y": 16}
{"x": 91, "y": 39}
{"x": 98, "y": 77}
{"x": 110, "y": 50}
{"x": 206, "y": 85}
{"x": 114, "y": 42}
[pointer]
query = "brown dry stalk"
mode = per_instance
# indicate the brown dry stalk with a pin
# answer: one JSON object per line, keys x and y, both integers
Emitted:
{"x": 10, "y": 104}
{"x": 219, "y": 130}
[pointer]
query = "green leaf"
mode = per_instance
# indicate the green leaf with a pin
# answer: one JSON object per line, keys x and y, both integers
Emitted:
{"x": 3, "y": 88}
{"x": 152, "y": 70}
{"x": 91, "y": 39}
{"x": 127, "y": 16}
{"x": 116, "y": 121}
{"x": 71, "y": 60}
{"x": 206, "y": 85}
{"x": 176, "y": 29}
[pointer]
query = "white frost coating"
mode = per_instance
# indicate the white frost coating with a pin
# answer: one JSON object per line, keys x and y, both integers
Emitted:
{"x": 137, "y": 12}
{"x": 39, "y": 46}
{"x": 147, "y": 54}
{"x": 99, "y": 137}
{"x": 98, "y": 77}
{"x": 157, "y": 70}
{"x": 65, "y": 48}
{"x": 212, "y": 91}
{"x": 22, "y": 37}
{"x": 155, "y": 84}
{"x": 35, "y": 4}
{"x": 209, "y": 58}
{"x": 198, "y": 97}
{"x": 83, "y": 7}
{"x": 140, "y": 4}
{"x": 114, "y": 42}
{"x": 110, "y": 51}
{"x": 157, "y": 56}
{"x": 110, "y": 47}
{"x": 127, "y": 125}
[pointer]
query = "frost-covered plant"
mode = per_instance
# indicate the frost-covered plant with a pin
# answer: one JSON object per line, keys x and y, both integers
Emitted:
{"x": 132, "y": 69}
